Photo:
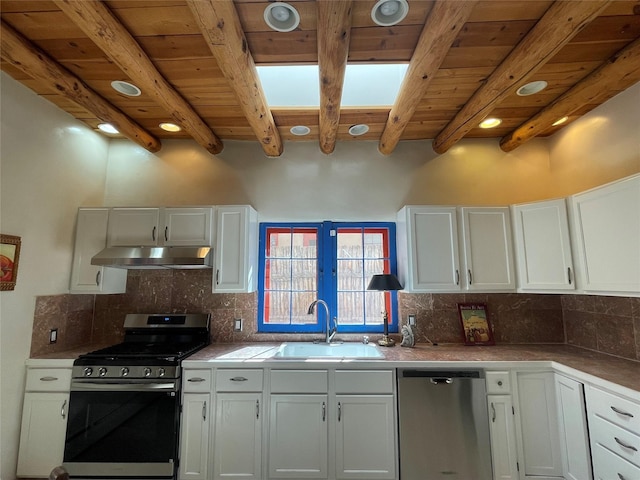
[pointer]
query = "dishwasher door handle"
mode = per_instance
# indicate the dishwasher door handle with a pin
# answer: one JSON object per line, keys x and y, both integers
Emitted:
{"x": 441, "y": 380}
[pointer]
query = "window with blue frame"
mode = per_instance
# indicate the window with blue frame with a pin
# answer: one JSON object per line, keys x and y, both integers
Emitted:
{"x": 332, "y": 261}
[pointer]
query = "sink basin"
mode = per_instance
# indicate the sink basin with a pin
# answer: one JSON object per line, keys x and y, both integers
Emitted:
{"x": 322, "y": 350}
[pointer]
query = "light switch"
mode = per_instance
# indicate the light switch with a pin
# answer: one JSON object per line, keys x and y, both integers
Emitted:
{"x": 53, "y": 335}
{"x": 237, "y": 325}
{"x": 412, "y": 320}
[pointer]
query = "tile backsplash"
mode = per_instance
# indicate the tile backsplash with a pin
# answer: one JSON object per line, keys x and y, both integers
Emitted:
{"x": 606, "y": 324}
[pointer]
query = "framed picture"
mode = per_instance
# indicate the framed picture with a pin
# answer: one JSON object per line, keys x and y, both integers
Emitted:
{"x": 9, "y": 256}
{"x": 475, "y": 325}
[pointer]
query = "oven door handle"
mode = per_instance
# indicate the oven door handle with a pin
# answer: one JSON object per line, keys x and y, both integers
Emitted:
{"x": 85, "y": 385}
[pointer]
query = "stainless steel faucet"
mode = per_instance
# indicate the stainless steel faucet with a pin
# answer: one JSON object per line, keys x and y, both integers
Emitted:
{"x": 330, "y": 333}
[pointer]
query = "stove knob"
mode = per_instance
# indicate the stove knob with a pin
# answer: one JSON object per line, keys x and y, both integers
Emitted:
{"x": 147, "y": 372}
{"x": 102, "y": 371}
{"x": 161, "y": 372}
{"x": 124, "y": 371}
{"x": 88, "y": 371}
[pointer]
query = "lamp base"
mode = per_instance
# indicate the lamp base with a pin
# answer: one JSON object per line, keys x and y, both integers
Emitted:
{"x": 386, "y": 341}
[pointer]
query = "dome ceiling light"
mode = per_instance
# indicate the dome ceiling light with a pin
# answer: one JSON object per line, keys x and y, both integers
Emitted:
{"x": 560, "y": 121}
{"x": 108, "y": 128}
{"x": 281, "y": 17}
{"x": 359, "y": 129}
{"x": 300, "y": 130}
{"x": 126, "y": 88}
{"x": 490, "y": 122}
{"x": 170, "y": 127}
{"x": 532, "y": 88}
{"x": 389, "y": 12}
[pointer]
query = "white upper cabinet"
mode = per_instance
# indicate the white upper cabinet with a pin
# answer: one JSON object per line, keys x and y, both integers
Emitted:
{"x": 91, "y": 238}
{"x": 543, "y": 246}
{"x": 236, "y": 269}
{"x": 428, "y": 257}
{"x": 430, "y": 240}
{"x": 184, "y": 226}
{"x": 487, "y": 249}
{"x": 607, "y": 229}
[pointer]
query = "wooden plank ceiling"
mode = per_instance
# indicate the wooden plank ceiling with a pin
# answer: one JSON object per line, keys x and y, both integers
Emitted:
{"x": 195, "y": 61}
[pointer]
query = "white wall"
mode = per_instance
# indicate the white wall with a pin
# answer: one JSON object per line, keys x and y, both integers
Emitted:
{"x": 50, "y": 164}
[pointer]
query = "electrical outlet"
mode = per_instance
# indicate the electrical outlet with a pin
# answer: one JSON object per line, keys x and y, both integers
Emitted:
{"x": 411, "y": 320}
{"x": 53, "y": 335}
{"x": 237, "y": 325}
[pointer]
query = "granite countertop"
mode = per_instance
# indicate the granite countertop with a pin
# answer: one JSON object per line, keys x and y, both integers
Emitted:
{"x": 591, "y": 365}
{"x": 625, "y": 373}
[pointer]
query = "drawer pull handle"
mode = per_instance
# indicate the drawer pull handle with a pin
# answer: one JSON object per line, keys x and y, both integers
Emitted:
{"x": 204, "y": 411}
{"x": 493, "y": 413}
{"x": 257, "y": 409}
{"x": 324, "y": 411}
{"x": 196, "y": 379}
{"x": 48, "y": 379}
{"x": 622, "y": 412}
{"x": 238, "y": 379}
{"x": 621, "y": 477}
{"x": 622, "y": 444}
{"x": 62, "y": 414}
{"x": 339, "y": 411}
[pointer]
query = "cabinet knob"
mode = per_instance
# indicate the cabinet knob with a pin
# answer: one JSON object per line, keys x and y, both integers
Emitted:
{"x": 499, "y": 383}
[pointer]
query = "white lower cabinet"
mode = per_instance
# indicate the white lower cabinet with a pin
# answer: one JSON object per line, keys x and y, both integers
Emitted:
{"x": 298, "y": 436}
{"x": 503, "y": 437}
{"x": 194, "y": 438}
{"x": 574, "y": 435}
{"x": 537, "y": 424}
{"x": 237, "y": 442}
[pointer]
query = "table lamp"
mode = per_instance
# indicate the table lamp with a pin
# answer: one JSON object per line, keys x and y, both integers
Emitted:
{"x": 385, "y": 282}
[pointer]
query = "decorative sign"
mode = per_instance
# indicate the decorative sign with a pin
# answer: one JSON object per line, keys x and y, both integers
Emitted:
{"x": 9, "y": 256}
{"x": 475, "y": 326}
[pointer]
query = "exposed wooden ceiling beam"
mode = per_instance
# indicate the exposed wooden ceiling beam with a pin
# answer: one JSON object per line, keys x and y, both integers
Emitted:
{"x": 619, "y": 72}
{"x": 559, "y": 24}
{"x": 334, "y": 33}
{"x": 440, "y": 30}
{"x": 106, "y": 31}
{"x": 220, "y": 25}
{"x": 26, "y": 56}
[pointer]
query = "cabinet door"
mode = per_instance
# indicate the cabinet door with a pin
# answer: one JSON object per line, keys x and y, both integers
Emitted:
{"x": 238, "y": 433}
{"x": 91, "y": 238}
{"x": 365, "y": 437}
{"x": 574, "y": 437}
{"x": 298, "y": 436}
{"x": 236, "y": 268}
{"x": 488, "y": 250}
{"x": 194, "y": 437}
{"x": 543, "y": 247}
{"x": 607, "y": 223}
{"x": 187, "y": 226}
{"x": 133, "y": 227}
{"x": 503, "y": 437}
{"x": 44, "y": 423}
{"x": 430, "y": 237}
{"x": 537, "y": 416}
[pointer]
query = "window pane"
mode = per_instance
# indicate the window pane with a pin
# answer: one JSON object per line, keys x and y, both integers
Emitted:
{"x": 277, "y": 275}
{"x": 305, "y": 241}
{"x": 277, "y": 307}
{"x": 350, "y": 275}
{"x": 374, "y": 245}
{"x": 350, "y": 308}
{"x": 349, "y": 243}
{"x": 374, "y": 307}
{"x": 278, "y": 243}
{"x": 375, "y": 267}
{"x": 304, "y": 275}
{"x": 300, "y": 306}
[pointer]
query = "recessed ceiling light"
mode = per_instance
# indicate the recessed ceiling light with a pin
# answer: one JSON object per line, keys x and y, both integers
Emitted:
{"x": 126, "y": 88}
{"x": 300, "y": 130}
{"x": 108, "y": 128}
{"x": 531, "y": 88}
{"x": 490, "y": 122}
{"x": 389, "y": 12}
{"x": 359, "y": 129}
{"x": 170, "y": 127}
{"x": 281, "y": 17}
{"x": 560, "y": 121}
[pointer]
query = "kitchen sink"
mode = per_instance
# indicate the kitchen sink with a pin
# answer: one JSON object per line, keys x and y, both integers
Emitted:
{"x": 301, "y": 350}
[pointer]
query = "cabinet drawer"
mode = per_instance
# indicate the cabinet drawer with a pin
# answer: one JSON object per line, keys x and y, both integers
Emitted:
{"x": 239, "y": 380}
{"x": 48, "y": 380}
{"x": 197, "y": 380}
{"x": 299, "y": 381}
{"x": 620, "y": 411}
{"x": 498, "y": 383}
{"x": 608, "y": 465}
{"x": 618, "y": 440}
{"x": 363, "y": 381}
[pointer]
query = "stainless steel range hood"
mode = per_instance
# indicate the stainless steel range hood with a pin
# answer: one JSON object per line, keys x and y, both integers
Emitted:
{"x": 155, "y": 257}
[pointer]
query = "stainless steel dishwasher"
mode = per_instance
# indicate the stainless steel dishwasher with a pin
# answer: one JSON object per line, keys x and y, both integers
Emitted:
{"x": 444, "y": 425}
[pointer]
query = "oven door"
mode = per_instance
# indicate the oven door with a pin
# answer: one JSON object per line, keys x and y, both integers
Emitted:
{"x": 122, "y": 430}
